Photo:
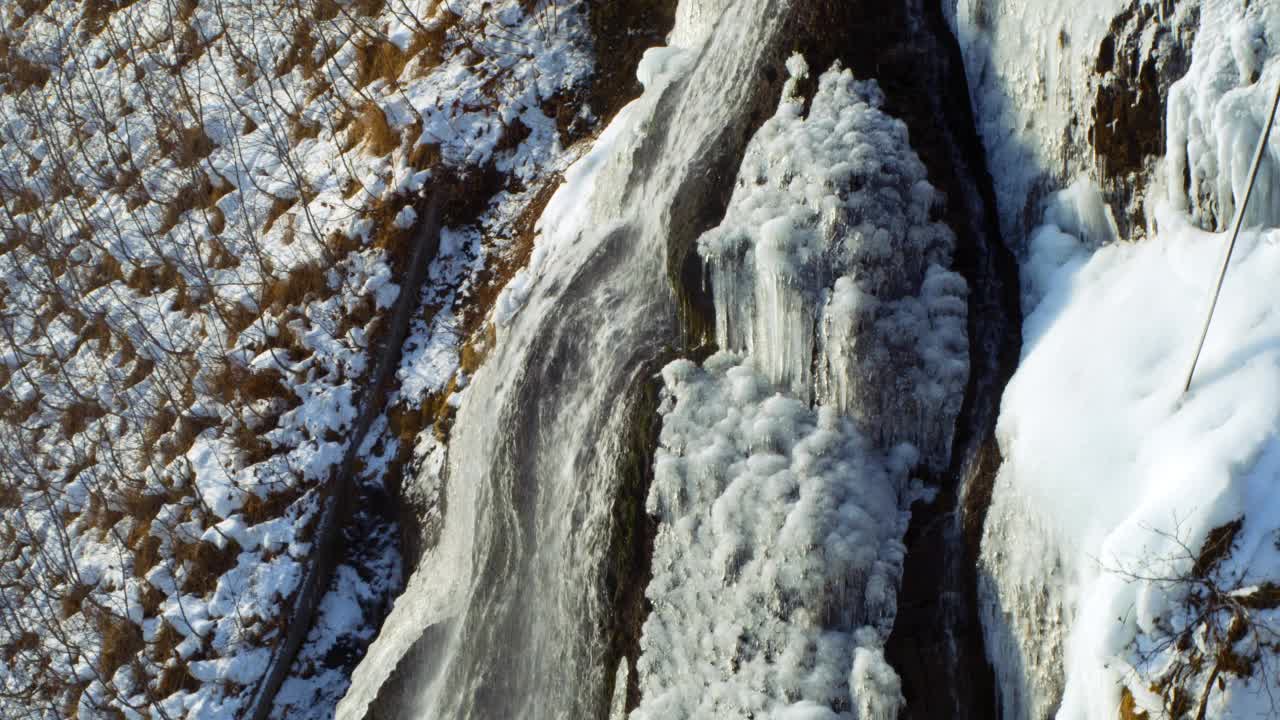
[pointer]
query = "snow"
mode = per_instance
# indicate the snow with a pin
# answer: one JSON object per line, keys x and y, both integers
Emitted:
{"x": 405, "y": 218}
{"x": 1101, "y": 445}
{"x": 1113, "y": 478}
{"x": 347, "y": 616}
{"x": 242, "y": 669}
{"x": 431, "y": 352}
{"x": 568, "y": 212}
{"x": 876, "y": 687}
{"x": 244, "y": 100}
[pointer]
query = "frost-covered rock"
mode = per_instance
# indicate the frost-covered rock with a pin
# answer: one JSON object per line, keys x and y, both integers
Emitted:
{"x": 783, "y": 478}
{"x": 830, "y": 273}
{"x": 1061, "y": 90}
{"x": 778, "y": 558}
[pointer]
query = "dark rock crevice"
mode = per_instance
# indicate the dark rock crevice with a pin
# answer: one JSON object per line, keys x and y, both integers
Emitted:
{"x": 937, "y": 642}
{"x": 1127, "y": 130}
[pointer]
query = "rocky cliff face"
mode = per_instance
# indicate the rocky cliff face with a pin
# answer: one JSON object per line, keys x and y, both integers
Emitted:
{"x": 677, "y": 347}
{"x": 1063, "y": 91}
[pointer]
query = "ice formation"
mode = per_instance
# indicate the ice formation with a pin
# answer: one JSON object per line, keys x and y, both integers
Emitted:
{"x": 1216, "y": 115}
{"x": 779, "y": 555}
{"x": 509, "y": 588}
{"x": 783, "y": 478}
{"x": 829, "y": 273}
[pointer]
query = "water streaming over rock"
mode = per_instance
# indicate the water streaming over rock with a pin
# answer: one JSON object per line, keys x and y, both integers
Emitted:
{"x": 505, "y": 615}
{"x": 508, "y": 599}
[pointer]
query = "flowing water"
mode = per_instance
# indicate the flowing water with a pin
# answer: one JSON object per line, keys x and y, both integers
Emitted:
{"x": 505, "y": 616}
{"x": 510, "y": 591}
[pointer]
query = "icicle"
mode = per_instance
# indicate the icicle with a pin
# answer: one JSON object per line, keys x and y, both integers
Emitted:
{"x": 828, "y": 233}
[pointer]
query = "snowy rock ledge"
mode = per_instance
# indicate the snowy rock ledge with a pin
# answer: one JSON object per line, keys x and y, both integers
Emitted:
{"x": 1130, "y": 556}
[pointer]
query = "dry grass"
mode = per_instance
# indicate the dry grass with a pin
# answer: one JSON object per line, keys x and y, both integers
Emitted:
{"x": 279, "y": 206}
{"x": 18, "y": 73}
{"x": 73, "y": 600}
{"x": 10, "y": 497}
{"x": 231, "y": 383}
{"x": 21, "y": 200}
{"x": 202, "y": 193}
{"x": 154, "y": 279}
{"x": 386, "y": 61}
{"x": 236, "y": 318}
{"x": 497, "y": 274}
{"x": 258, "y": 509}
{"x": 304, "y": 283}
{"x": 105, "y": 270}
{"x": 121, "y": 642}
{"x": 155, "y": 429}
{"x": 96, "y": 13}
{"x": 30, "y": 8}
{"x": 372, "y": 131}
{"x": 218, "y": 223}
{"x": 204, "y": 563}
{"x": 175, "y": 677}
{"x": 300, "y": 129}
{"x": 423, "y": 156}
{"x": 146, "y": 554}
{"x": 142, "y": 368}
{"x": 77, "y": 416}
{"x": 1129, "y": 707}
{"x": 18, "y": 413}
{"x": 303, "y": 44}
{"x": 238, "y": 386}
{"x": 219, "y": 257}
{"x": 186, "y": 146}
{"x": 183, "y": 435}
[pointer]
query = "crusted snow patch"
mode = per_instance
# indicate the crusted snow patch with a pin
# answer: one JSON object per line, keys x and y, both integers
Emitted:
{"x": 778, "y": 558}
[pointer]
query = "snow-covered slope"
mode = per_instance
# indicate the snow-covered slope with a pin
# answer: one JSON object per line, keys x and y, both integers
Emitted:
{"x": 208, "y": 209}
{"x": 1129, "y": 555}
